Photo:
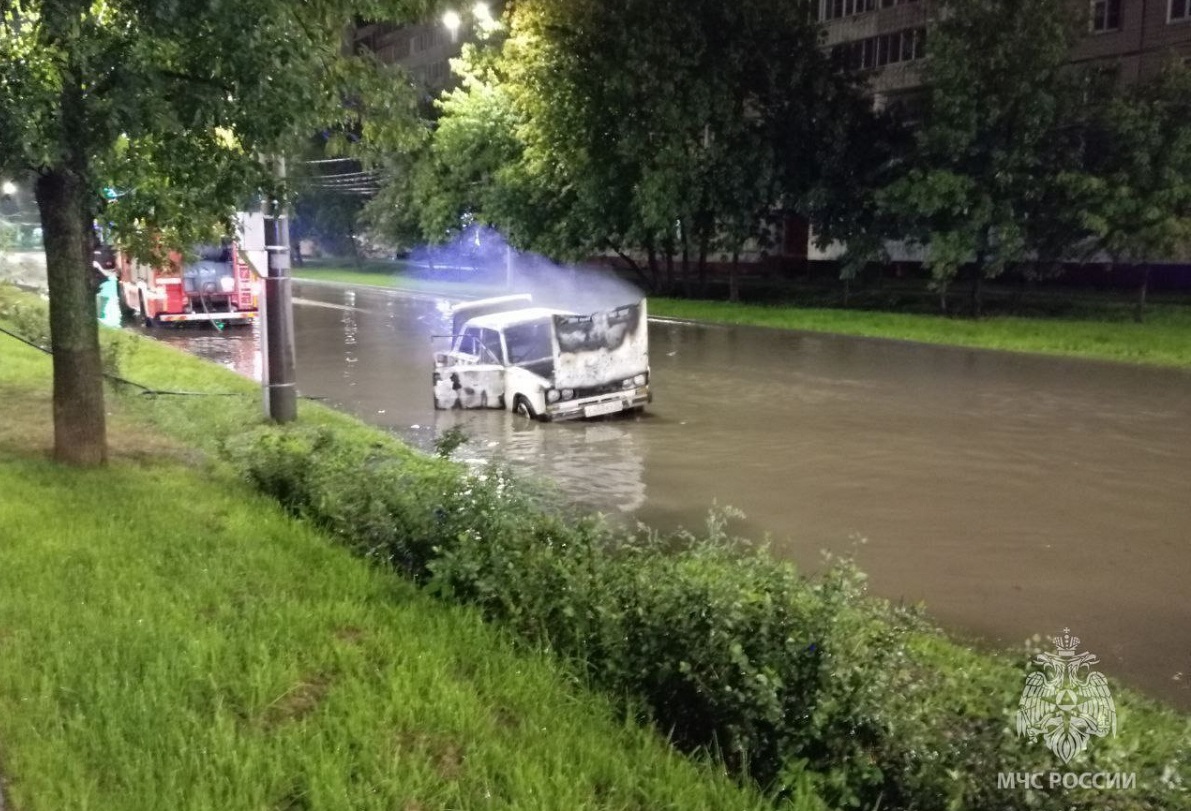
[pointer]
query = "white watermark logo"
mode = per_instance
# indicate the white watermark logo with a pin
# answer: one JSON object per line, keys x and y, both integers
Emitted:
{"x": 1064, "y": 705}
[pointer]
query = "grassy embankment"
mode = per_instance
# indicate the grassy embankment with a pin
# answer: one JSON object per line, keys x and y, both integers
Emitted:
{"x": 398, "y": 276}
{"x": 1097, "y": 331}
{"x": 170, "y": 640}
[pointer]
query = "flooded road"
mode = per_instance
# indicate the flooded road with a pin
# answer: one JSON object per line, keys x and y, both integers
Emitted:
{"x": 1013, "y": 494}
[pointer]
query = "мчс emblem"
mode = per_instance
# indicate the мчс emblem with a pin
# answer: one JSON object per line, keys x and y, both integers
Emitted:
{"x": 1063, "y": 705}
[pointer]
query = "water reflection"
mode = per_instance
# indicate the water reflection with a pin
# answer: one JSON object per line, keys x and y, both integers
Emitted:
{"x": 236, "y": 348}
{"x": 600, "y": 465}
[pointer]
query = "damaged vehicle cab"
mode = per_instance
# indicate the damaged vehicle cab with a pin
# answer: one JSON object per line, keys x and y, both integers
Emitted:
{"x": 544, "y": 363}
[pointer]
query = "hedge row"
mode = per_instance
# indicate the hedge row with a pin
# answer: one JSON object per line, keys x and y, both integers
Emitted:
{"x": 788, "y": 680}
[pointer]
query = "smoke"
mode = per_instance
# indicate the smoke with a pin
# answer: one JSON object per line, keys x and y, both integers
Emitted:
{"x": 481, "y": 256}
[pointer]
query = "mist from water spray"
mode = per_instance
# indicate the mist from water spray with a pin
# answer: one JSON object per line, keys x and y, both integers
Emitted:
{"x": 481, "y": 255}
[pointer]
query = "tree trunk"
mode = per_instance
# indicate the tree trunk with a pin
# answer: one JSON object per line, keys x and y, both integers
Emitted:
{"x": 80, "y": 433}
{"x": 1139, "y": 311}
{"x": 686, "y": 266}
{"x": 703, "y": 266}
{"x": 653, "y": 266}
{"x": 733, "y": 279}
{"x": 351, "y": 238}
{"x": 636, "y": 268}
{"x": 977, "y": 297}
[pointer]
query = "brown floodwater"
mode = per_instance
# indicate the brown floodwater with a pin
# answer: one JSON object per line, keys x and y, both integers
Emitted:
{"x": 1015, "y": 495}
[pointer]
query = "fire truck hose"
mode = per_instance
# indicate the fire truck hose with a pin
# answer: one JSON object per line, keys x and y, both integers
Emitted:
{"x": 148, "y": 391}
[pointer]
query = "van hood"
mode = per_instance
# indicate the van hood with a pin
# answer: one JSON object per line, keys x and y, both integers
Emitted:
{"x": 601, "y": 348}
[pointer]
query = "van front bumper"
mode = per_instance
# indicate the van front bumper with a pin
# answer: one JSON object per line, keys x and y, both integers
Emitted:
{"x": 611, "y": 403}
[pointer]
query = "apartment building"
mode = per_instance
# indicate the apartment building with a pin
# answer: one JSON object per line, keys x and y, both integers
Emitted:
{"x": 889, "y": 38}
{"x": 424, "y": 49}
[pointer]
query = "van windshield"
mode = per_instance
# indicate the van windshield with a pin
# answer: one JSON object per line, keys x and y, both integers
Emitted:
{"x": 529, "y": 342}
{"x": 483, "y": 343}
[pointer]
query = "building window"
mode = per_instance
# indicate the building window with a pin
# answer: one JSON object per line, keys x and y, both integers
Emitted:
{"x": 887, "y": 49}
{"x": 835, "y": 9}
{"x": 1106, "y": 15}
{"x": 1180, "y": 10}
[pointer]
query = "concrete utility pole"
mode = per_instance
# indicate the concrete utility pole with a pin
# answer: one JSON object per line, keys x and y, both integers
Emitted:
{"x": 281, "y": 392}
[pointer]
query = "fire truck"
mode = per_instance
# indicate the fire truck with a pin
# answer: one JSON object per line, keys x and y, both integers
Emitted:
{"x": 216, "y": 284}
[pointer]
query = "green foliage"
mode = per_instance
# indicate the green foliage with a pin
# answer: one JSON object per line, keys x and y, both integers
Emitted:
{"x": 117, "y": 351}
{"x": 173, "y": 105}
{"x": 794, "y": 682}
{"x": 1137, "y": 198}
{"x": 449, "y": 440}
{"x": 180, "y": 100}
{"x": 170, "y": 640}
{"x": 992, "y": 144}
{"x": 25, "y": 315}
{"x": 667, "y": 129}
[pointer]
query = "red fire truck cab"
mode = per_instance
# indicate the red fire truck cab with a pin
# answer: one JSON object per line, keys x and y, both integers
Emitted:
{"x": 217, "y": 284}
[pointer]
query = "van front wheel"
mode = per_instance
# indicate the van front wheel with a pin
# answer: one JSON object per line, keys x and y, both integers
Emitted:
{"x": 521, "y": 406}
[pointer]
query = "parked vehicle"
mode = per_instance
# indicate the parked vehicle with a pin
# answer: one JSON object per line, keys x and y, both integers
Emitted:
{"x": 544, "y": 363}
{"x": 217, "y": 283}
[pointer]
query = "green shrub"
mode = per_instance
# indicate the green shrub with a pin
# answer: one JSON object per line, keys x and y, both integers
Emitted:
{"x": 24, "y": 315}
{"x": 788, "y": 680}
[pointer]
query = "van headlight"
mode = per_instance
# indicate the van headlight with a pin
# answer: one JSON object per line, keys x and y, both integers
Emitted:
{"x": 628, "y": 384}
{"x": 552, "y": 395}
{"x": 641, "y": 379}
{"x": 567, "y": 394}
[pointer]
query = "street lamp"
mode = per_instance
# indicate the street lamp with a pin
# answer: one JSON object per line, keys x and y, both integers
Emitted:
{"x": 481, "y": 17}
{"x": 452, "y": 21}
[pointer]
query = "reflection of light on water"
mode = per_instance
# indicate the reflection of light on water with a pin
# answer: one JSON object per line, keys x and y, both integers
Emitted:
{"x": 236, "y": 348}
{"x": 351, "y": 329}
{"x": 600, "y": 465}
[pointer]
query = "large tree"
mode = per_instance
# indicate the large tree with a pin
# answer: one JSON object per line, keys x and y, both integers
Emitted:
{"x": 989, "y": 149}
{"x": 179, "y": 100}
{"x": 1137, "y": 184}
{"x": 676, "y": 128}
{"x": 662, "y": 131}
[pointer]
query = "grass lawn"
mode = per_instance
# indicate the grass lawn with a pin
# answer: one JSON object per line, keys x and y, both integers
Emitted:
{"x": 1163, "y": 340}
{"x": 1099, "y": 333}
{"x": 169, "y": 640}
{"x": 398, "y": 276}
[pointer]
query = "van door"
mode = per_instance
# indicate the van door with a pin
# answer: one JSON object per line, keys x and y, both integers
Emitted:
{"x": 472, "y": 374}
